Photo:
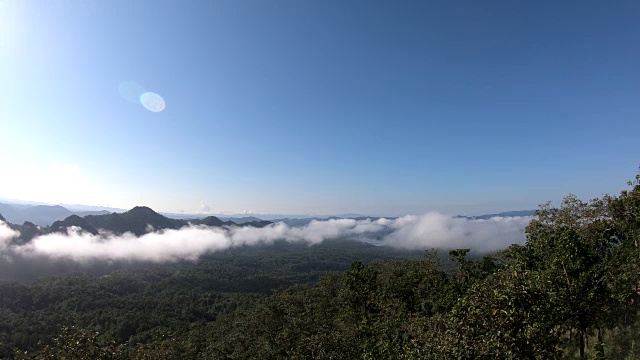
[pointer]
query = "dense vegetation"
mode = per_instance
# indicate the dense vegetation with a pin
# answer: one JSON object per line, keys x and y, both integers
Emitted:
{"x": 570, "y": 292}
{"x": 138, "y": 301}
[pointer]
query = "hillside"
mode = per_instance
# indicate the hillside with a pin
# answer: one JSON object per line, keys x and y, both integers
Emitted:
{"x": 209, "y": 221}
{"x": 74, "y": 221}
{"x": 139, "y": 220}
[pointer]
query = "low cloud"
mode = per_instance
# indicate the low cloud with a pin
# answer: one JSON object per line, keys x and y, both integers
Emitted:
{"x": 204, "y": 208}
{"x": 6, "y": 235}
{"x": 435, "y": 230}
{"x": 432, "y": 230}
{"x": 187, "y": 243}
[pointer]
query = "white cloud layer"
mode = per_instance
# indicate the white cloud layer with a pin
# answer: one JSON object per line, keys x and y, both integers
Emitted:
{"x": 431, "y": 230}
{"x": 435, "y": 230}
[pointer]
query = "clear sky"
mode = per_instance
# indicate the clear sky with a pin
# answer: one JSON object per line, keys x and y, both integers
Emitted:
{"x": 295, "y": 107}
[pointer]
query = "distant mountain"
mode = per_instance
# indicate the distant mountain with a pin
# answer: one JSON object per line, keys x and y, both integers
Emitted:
{"x": 209, "y": 221}
{"x": 183, "y": 216}
{"x": 2, "y": 218}
{"x": 42, "y": 215}
{"x": 351, "y": 216}
{"x": 269, "y": 217}
{"x": 92, "y": 209}
{"x": 73, "y": 220}
{"x": 241, "y": 220}
{"x": 9, "y": 212}
{"x": 138, "y": 220}
{"x": 516, "y": 213}
{"x": 295, "y": 222}
{"x": 300, "y": 222}
{"x": 257, "y": 224}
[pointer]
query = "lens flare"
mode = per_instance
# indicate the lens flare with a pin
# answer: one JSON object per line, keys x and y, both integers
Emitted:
{"x": 152, "y": 101}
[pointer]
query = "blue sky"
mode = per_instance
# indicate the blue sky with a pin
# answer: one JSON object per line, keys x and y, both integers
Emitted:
{"x": 319, "y": 107}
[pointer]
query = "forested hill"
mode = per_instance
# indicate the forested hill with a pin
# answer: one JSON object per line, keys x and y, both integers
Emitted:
{"x": 74, "y": 221}
{"x": 139, "y": 220}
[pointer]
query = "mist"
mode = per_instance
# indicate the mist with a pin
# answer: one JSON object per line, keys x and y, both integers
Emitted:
{"x": 6, "y": 235}
{"x": 431, "y": 230}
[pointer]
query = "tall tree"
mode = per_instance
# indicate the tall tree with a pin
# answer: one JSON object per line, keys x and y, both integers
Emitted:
{"x": 568, "y": 249}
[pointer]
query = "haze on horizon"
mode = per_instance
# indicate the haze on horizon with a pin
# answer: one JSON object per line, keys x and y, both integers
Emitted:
{"x": 300, "y": 107}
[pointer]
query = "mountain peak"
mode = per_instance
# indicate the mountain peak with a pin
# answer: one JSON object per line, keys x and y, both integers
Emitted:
{"x": 210, "y": 221}
{"x": 142, "y": 210}
{"x": 137, "y": 220}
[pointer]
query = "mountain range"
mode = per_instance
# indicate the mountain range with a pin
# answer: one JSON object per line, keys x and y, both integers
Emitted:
{"x": 516, "y": 213}
{"x": 139, "y": 220}
{"x": 41, "y": 215}
{"x": 41, "y": 219}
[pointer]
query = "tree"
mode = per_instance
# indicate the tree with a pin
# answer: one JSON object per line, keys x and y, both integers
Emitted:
{"x": 568, "y": 249}
{"x": 503, "y": 316}
{"x": 624, "y": 212}
{"x": 624, "y": 269}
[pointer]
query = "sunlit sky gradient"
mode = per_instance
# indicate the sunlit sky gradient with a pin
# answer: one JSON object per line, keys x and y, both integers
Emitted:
{"x": 320, "y": 107}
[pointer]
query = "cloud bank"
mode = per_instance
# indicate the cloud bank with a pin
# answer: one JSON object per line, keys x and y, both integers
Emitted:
{"x": 431, "y": 230}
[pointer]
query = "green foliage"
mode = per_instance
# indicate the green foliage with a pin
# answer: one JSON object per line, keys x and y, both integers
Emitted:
{"x": 77, "y": 344}
{"x": 568, "y": 250}
{"x": 502, "y": 316}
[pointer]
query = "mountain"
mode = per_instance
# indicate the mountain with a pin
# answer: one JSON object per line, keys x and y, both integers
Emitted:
{"x": 241, "y": 220}
{"x": 73, "y": 220}
{"x": 294, "y": 222}
{"x": 76, "y": 208}
{"x": 28, "y": 231}
{"x": 257, "y": 224}
{"x": 8, "y": 211}
{"x": 42, "y": 215}
{"x": 2, "y": 218}
{"x": 210, "y": 221}
{"x": 139, "y": 220}
{"x": 516, "y": 213}
{"x": 351, "y": 216}
{"x": 183, "y": 216}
